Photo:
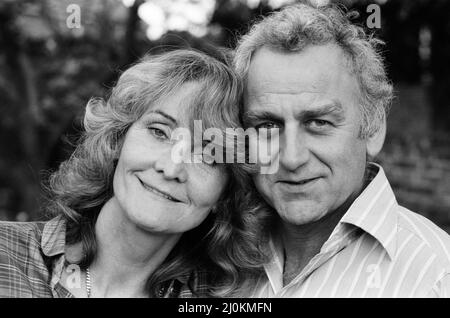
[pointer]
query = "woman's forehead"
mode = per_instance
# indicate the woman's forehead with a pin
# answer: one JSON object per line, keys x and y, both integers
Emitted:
{"x": 178, "y": 103}
{"x": 195, "y": 102}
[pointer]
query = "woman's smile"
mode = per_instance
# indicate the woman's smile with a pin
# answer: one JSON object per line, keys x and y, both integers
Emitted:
{"x": 159, "y": 193}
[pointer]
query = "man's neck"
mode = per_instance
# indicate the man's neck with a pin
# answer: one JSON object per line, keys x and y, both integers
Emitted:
{"x": 302, "y": 242}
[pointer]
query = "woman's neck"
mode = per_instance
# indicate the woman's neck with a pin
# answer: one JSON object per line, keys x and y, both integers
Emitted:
{"x": 126, "y": 255}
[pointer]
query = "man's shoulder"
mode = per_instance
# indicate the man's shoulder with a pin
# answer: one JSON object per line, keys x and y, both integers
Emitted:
{"x": 435, "y": 239}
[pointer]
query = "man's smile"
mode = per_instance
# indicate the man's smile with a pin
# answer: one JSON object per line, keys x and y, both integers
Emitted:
{"x": 297, "y": 185}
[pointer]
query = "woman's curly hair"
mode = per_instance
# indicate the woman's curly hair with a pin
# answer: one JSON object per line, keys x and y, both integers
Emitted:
{"x": 227, "y": 245}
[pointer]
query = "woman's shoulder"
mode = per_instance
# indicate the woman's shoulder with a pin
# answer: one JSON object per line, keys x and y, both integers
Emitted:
{"x": 23, "y": 268}
{"x": 17, "y": 235}
{"x": 25, "y": 238}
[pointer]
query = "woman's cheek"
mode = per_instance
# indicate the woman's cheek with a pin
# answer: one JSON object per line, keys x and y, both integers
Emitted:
{"x": 210, "y": 187}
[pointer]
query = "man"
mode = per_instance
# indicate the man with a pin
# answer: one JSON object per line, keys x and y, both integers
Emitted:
{"x": 340, "y": 232}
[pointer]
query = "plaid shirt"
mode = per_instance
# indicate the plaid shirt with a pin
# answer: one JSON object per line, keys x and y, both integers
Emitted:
{"x": 32, "y": 259}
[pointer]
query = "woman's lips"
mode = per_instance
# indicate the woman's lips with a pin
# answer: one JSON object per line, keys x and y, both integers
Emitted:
{"x": 158, "y": 192}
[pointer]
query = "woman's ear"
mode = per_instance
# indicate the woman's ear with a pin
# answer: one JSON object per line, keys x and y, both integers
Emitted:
{"x": 375, "y": 142}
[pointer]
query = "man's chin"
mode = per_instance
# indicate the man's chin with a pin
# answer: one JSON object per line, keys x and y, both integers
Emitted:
{"x": 301, "y": 215}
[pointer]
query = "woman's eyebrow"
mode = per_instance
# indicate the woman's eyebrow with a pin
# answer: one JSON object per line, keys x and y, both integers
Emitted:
{"x": 165, "y": 115}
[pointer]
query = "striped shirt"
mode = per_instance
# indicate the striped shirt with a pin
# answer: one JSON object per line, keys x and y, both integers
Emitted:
{"x": 32, "y": 260}
{"x": 378, "y": 249}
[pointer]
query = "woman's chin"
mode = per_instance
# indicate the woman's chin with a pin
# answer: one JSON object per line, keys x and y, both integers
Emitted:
{"x": 148, "y": 222}
{"x": 157, "y": 224}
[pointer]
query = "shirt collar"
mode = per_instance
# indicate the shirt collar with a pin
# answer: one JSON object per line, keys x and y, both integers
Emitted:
{"x": 374, "y": 211}
{"x": 53, "y": 238}
{"x": 53, "y": 242}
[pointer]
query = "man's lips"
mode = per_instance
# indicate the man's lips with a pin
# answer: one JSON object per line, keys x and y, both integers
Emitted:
{"x": 297, "y": 183}
{"x": 158, "y": 192}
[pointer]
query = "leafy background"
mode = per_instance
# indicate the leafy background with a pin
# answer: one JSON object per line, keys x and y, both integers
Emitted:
{"x": 48, "y": 72}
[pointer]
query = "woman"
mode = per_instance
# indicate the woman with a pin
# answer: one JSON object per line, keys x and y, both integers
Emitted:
{"x": 130, "y": 220}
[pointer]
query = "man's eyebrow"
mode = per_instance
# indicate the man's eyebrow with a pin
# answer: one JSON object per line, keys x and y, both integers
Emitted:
{"x": 335, "y": 108}
{"x": 165, "y": 115}
{"x": 258, "y": 115}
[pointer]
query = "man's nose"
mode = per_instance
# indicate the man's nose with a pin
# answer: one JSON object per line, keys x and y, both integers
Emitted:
{"x": 294, "y": 151}
{"x": 171, "y": 168}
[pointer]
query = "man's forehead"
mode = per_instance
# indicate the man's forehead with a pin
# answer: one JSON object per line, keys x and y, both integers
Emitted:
{"x": 331, "y": 50}
{"x": 313, "y": 76}
{"x": 314, "y": 65}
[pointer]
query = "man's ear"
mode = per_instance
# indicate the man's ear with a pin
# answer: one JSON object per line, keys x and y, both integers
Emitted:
{"x": 375, "y": 142}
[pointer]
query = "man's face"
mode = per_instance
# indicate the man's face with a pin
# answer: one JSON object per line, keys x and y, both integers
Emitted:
{"x": 312, "y": 98}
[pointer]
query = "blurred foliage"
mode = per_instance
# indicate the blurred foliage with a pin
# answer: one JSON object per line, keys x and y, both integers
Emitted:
{"x": 49, "y": 71}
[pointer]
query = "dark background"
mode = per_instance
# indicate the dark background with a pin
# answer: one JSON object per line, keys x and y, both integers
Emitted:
{"x": 48, "y": 72}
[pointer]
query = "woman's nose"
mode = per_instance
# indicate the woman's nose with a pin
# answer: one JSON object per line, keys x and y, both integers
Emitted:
{"x": 171, "y": 168}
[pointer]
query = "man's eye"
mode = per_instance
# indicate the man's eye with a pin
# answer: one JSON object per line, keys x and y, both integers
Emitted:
{"x": 318, "y": 123}
{"x": 267, "y": 125}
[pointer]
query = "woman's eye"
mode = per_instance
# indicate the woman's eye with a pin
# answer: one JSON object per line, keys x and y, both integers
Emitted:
{"x": 158, "y": 133}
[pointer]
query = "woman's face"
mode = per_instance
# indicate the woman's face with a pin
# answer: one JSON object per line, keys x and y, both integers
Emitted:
{"x": 155, "y": 193}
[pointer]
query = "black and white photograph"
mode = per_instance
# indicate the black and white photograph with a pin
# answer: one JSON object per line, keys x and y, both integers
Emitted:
{"x": 237, "y": 150}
